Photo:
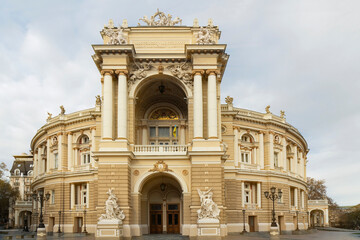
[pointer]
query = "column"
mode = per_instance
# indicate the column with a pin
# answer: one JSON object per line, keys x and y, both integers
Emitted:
{"x": 254, "y": 150}
{"x": 144, "y": 135}
{"x": 72, "y": 193}
{"x": 76, "y": 159}
{"x": 70, "y": 151}
{"x": 242, "y": 194}
{"x": 212, "y": 105}
{"x": 198, "y": 105}
{"x": 87, "y": 194}
{"x": 236, "y": 147}
{"x": 295, "y": 169}
{"x": 296, "y": 198}
{"x": 122, "y": 104}
{"x": 301, "y": 166}
{"x": 258, "y": 190}
{"x": 261, "y": 149}
{"x": 326, "y": 217}
{"x": 182, "y": 135}
{"x": 302, "y": 200}
{"x": 271, "y": 150}
{"x": 60, "y": 138}
{"x": 107, "y": 114}
{"x": 48, "y": 155}
{"x": 35, "y": 163}
{"x": 92, "y": 149}
{"x": 286, "y": 167}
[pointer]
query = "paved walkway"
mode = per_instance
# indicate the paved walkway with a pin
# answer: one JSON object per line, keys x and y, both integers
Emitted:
{"x": 318, "y": 235}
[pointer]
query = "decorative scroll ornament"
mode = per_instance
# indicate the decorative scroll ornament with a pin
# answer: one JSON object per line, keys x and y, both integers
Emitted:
{"x": 139, "y": 71}
{"x": 116, "y": 36}
{"x": 183, "y": 72}
{"x": 112, "y": 208}
{"x": 160, "y": 166}
{"x": 209, "y": 209}
{"x": 205, "y": 35}
{"x": 229, "y": 100}
{"x": 160, "y": 19}
{"x": 163, "y": 114}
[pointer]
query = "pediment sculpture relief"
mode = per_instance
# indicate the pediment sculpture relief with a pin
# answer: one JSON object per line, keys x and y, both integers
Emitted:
{"x": 160, "y": 19}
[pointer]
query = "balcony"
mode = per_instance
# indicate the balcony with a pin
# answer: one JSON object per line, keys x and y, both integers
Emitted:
{"x": 160, "y": 149}
{"x": 251, "y": 206}
{"x": 82, "y": 167}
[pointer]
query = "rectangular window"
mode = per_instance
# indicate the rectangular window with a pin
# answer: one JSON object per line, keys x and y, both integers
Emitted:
{"x": 56, "y": 160}
{"x": 245, "y": 157}
{"x": 164, "y": 132}
{"x": 86, "y": 158}
{"x": 292, "y": 196}
{"x": 152, "y": 132}
{"x": 52, "y": 197}
{"x": 276, "y": 159}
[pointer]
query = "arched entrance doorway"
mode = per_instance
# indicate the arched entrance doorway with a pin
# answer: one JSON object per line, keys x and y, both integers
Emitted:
{"x": 317, "y": 218}
{"x": 161, "y": 204}
{"x": 25, "y": 220}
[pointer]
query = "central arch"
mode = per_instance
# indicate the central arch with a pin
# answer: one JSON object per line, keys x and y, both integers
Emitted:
{"x": 160, "y": 202}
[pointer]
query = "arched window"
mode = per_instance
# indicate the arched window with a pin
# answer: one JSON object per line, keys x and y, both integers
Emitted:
{"x": 84, "y": 139}
{"x": 84, "y": 149}
{"x": 246, "y": 138}
{"x": 17, "y": 172}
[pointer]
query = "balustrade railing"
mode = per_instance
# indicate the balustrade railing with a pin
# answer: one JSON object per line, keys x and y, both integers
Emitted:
{"x": 160, "y": 149}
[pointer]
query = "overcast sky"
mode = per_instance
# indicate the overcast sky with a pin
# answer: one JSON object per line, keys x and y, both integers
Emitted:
{"x": 301, "y": 56}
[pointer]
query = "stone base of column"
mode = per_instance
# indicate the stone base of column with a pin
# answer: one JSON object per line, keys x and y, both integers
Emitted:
{"x": 41, "y": 233}
{"x": 109, "y": 229}
{"x": 274, "y": 231}
{"x": 209, "y": 228}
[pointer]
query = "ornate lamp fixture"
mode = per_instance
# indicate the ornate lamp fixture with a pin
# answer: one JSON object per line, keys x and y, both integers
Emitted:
{"x": 41, "y": 198}
{"x": 273, "y": 196}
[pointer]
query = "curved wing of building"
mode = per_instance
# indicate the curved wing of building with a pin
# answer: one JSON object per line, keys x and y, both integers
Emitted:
{"x": 161, "y": 149}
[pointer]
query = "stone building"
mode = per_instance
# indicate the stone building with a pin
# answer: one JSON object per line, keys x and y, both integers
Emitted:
{"x": 160, "y": 144}
{"x": 21, "y": 177}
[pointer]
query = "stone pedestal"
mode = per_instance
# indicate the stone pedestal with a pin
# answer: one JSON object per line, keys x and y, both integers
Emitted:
{"x": 109, "y": 229}
{"x": 209, "y": 227}
{"x": 274, "y": 231}
{"x": 41, "y": 233}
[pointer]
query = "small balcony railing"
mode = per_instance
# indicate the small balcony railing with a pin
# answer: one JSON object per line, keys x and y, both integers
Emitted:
{"x": 251, "y": 206}
{"x": 160, "y": 149}
{"x": 80, "y": 207}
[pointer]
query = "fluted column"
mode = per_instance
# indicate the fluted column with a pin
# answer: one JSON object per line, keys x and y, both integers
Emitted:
{"x": 144, "y": 135}
{"x": 242, "y": 194}
{"x": 258, "y": 191}
{"x": 93, "y": 129}
{"x": 271, "y": 150}
{"x": 60, "y": 151}
{"x": 284, "y": 155}
{"x": 198, "y": 105}
{"x": 87, "y": 194}
{"x": 48, "y": 155}
{"x": 212, "y": 105}
{"x": 107, "y": 114}
{"x": 295, "y": 169}
{"x": 70, "y": 151}
{"x": 72, "y": 194}
{"x": 122, "y": 104}
{"x": 261, "y": 149}
{"x": 236, "y": 146}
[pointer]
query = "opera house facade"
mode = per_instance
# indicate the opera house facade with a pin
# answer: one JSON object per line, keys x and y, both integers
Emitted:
{"x": 159, "y": 153}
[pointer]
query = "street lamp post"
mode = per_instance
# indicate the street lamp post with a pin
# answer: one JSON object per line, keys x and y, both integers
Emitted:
{"x": 59, "y": 230}
{"x": 244, "y": 229}
{"x": 273, "y": 196}
{"x": 297, "y": 221}
{"x": 85, "y": 220}
{"x": 41, "y": 198}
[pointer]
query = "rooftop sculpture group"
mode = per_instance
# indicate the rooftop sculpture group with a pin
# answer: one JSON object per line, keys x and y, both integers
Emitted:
{"x": 160, "y": 19}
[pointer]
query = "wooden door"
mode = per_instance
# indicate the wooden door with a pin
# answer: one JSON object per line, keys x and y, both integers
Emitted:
{"x": 78, "y": 224}
{"x": 173, "y": 218}
{"x": 156, "y": 216}
{"x": 252, "y": 223}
